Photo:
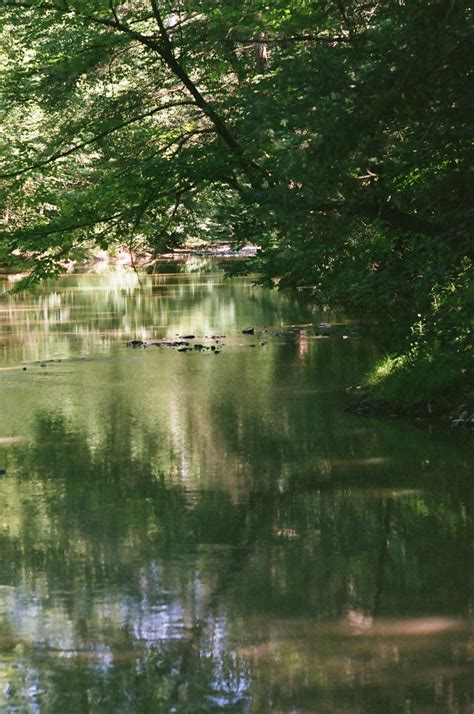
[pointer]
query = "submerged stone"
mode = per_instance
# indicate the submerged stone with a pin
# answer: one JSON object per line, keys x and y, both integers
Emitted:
{"x": 173, "y": 343}
{"x": 135, "y": 344}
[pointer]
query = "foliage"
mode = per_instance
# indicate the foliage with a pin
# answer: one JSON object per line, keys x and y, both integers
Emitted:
{"x": 435, "y": 372}
{"x": 334, "y": 135}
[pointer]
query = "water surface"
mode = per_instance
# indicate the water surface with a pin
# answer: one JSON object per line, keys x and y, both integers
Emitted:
{"x": 202, "y": 532}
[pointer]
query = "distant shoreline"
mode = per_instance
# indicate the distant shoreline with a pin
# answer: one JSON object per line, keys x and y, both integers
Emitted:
{"x": 137, "y": 261}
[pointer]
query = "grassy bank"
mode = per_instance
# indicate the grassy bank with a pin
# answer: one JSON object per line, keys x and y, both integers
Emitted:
{"x": 429, "y": 385}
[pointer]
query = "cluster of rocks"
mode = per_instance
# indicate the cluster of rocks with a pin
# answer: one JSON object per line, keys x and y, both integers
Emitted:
{"x": 362, "y": 403}
{"x": 185, "y": 343}
{"x": 326, "y": 329}
{"x": 359, "y": 401}
{"x": 462, "y": 417}
{"x": 181, "y": 345}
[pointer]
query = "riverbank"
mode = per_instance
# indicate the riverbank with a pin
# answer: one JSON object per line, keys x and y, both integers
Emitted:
{"x": 425, "y": 390}
{"x": 95, "y": 260}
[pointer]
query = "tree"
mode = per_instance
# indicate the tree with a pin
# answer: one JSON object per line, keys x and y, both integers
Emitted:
{"x": 335, "y": 135}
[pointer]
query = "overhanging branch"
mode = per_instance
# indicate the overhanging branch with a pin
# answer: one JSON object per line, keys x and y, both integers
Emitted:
{"x": 94, "y": 139}
{"x": 165, "y": 51}
{"x": 301, "y": 37}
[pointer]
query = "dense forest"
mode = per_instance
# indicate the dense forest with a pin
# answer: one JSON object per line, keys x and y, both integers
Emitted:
{"x": 334, "y": 135}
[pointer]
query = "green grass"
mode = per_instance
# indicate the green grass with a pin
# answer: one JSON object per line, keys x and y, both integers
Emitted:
{"x": 435, "y": 383}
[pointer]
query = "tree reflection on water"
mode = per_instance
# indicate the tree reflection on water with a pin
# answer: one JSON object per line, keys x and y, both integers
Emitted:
{"x": 194, "y": 535}
{"x": 122, "y": 590}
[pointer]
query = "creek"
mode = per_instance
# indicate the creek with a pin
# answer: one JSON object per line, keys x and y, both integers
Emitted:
{"x": 211, "y": 530}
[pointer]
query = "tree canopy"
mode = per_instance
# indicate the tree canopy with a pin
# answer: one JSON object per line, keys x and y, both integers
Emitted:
{"x": 333, "y": 134}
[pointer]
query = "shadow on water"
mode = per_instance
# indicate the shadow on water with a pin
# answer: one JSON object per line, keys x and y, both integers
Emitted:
{"x": 197, "y": 535}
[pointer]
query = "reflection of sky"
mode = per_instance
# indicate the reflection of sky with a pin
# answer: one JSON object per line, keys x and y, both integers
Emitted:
{"x": 232, "y": 678}
{"x": 43, "y": 621}
{"x": 39, "y": 625}
{"x": 157, "y": 622}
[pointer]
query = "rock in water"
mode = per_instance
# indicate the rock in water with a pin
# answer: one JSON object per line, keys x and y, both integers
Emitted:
{"x": 248, "y": 331}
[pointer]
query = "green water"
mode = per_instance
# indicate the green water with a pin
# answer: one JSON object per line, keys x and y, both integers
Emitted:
{"x": 201, "y": 532}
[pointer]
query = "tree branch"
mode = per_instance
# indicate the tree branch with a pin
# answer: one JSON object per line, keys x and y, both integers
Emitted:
{"x": 168, "y": 47}
{"x": 302, "y": 37}
{"x": 115, "y": 24}
{"x": 45, "y": 231}
{"x": 165, "y": 51}
{"x": 97, "y": 137}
